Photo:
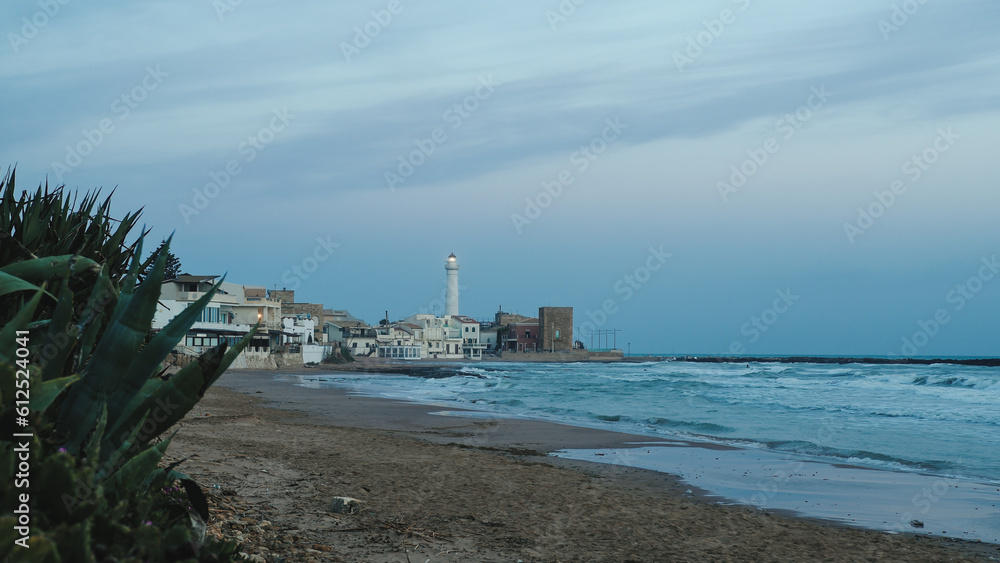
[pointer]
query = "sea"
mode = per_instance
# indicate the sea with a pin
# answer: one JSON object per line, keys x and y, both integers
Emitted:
{"x": 939, "y": 423}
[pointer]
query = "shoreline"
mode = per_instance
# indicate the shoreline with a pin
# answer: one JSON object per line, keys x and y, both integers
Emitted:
{"x": 426, "y": 367}
{"x": 493, "y": 443}
{"x": 835, "y": 491}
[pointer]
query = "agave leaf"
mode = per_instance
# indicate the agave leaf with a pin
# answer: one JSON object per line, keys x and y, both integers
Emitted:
{"x": 114, "y": 352}
{"x": 171, "y": 400}
{"x": 20, "y": 320}
{"x": 131, "y": 476}
{"x": 128, "y": 284}
{"x": 166, "y": 401}
{"x": 101, "y": 295}
{"x": 153, "y": 353}
{"x": 120, "y": 452}
{"x": 10, "y": 283}
{"x": 60, "y": 340}
{"x": 43, "y": 393}
{"x": 47, "y": 268}
{"x": 92, "y": 449}
{"x": 230, "y": 357}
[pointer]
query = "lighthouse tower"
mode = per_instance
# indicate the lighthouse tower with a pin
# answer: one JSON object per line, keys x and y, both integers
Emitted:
{"x": 451, "y": 295}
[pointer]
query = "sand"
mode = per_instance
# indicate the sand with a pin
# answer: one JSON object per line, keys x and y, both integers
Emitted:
{"x": 452, "y": 488}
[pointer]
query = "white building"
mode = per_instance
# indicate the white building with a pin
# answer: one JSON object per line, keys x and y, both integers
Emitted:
{"x": 229, "y": 316}
{"x": 354, "y": 335}
{"x": 488, "y": 337}
{"x": 439, "y": 337}
{"x": 298, "y": 337}
{"x": 398, "y": 341}
{"x": 472, "y": 348}
{"x": 451, "y": 336}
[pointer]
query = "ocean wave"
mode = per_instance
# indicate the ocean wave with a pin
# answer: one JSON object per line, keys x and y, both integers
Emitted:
{"x": 699, "y": 426}
{"x": 507, "y": 402}
{"x": 860, "y": 457}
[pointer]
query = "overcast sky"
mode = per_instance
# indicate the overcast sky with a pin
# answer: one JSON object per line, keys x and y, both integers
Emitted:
{"x": 712, "y": 177}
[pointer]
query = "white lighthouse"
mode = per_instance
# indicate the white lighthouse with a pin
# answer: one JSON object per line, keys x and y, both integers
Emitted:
{"x": 451, "y": 295}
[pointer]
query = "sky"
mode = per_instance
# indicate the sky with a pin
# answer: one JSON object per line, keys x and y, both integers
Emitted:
{"x": 721, "y": 177}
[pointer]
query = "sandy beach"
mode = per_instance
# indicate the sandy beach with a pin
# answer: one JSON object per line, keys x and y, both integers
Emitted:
{"x": 453, "y": 488}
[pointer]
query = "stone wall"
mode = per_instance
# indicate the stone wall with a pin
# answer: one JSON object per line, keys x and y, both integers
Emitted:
{"x": 553, "y": 320}
{"x": 314, "y": 310}
{"x": 283, "y": 295}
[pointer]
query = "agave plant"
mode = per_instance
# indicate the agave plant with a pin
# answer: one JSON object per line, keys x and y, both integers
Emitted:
{"x": 99, "y": 395}
{"x": 51, "y": 223}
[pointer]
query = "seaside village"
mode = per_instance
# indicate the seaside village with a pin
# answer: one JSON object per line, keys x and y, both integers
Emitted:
{"x": 294, "y": 333}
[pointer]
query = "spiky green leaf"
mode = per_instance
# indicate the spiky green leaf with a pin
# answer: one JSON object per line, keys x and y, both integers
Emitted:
{"x": 43, "y": 393}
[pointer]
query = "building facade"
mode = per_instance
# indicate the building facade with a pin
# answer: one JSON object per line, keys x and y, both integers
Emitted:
{"x": 521, "y": 336}
{"x": 230, "y": 315}
{"x": 555, "y": 328}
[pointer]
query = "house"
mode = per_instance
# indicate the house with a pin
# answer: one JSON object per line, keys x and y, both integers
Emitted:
{"x": 439, "y": 337}
{"x": 398, "y": 341}
{"x": 521, "y": 336}
{"x": 488, "y": 336}
{"x": 297, "y": 332}
{"x": 298, "y": 338}
{"x": 289, "y": 308}
{"x": 472, "y": 348}
{"x": 229, "y": 315}
{"x": 354, "y": 335}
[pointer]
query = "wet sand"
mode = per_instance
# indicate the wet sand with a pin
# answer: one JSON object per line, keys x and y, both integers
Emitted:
{"x": 458, "y": 488}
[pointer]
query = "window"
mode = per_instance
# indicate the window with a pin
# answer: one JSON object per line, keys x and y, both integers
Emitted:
{"x": 557, "y": 334}
{"x": 527, "y": 334}
{"x": 210, "y": 315}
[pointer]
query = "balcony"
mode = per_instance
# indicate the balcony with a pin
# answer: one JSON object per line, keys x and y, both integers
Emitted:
{"x": 217, "y": 298}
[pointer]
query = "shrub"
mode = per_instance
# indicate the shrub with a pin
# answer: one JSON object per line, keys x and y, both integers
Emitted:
{"x": 76, "y": 345}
